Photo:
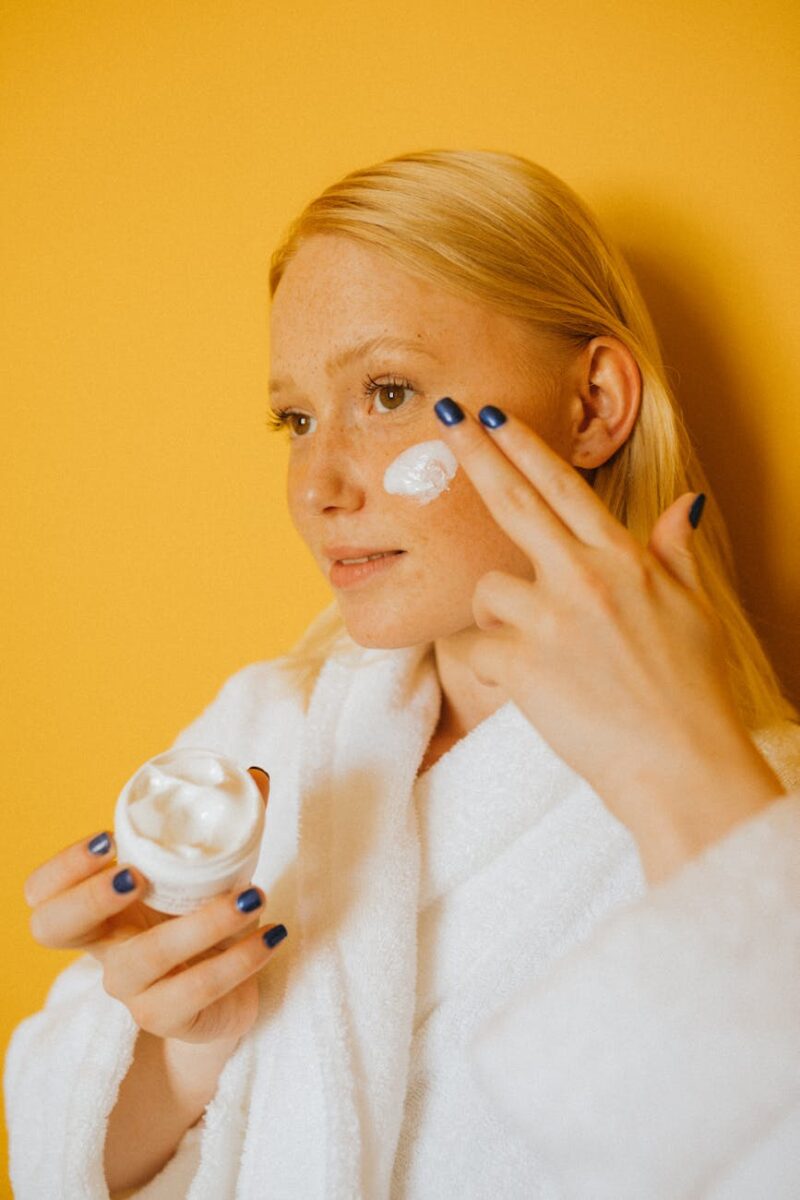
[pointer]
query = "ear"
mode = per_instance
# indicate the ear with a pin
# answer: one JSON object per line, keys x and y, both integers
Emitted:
{"x": 604, "y": 398}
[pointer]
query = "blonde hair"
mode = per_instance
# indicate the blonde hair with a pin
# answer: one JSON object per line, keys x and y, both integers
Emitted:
{"x": 500, "y": 229}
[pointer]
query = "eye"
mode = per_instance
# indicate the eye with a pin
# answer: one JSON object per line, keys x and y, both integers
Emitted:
{"x": 394, "y": 388}
{"x": 278, "y": 418}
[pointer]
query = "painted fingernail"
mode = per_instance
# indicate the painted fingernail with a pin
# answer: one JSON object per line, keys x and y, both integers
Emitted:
{"x": 492, "y": 417}
{"x": 274, "y": 935}
{"x": 448, "y": 411}
{"x": 248, "y": 900}
{"x": 100, "y": 844}
{"x": 123, "y": 881}
{"x": 696, "y": 511}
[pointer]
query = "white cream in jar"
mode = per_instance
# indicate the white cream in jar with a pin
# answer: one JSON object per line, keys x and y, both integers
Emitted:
{"x": 192, "y": 821}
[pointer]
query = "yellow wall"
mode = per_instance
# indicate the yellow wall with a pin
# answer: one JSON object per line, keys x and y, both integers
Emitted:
{"x": 153, "y": 154}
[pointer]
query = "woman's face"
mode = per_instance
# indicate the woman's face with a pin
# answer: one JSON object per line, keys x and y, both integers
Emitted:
{"x": 334, "y": 294}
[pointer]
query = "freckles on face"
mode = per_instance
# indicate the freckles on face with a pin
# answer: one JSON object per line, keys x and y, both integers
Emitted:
{"x": 422, "y": 472}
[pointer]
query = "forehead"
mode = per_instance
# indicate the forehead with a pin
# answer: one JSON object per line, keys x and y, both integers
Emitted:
{"x": 337, "y": 291}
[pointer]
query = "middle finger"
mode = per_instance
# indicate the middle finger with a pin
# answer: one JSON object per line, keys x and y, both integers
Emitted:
{"x": 136, "y": 964}
{"x": 514, "y": 502}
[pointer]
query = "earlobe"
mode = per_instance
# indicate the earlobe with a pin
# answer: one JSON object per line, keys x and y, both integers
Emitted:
{"x": 606, "y": 402}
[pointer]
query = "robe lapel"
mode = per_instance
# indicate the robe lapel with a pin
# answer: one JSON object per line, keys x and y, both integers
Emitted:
{"x": 488, "y": 790}
{"x": 358, "y": 878}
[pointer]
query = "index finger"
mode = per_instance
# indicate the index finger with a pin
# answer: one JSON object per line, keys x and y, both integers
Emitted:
{"x": 69, "y": 867}
{"x": 512, "y": 499}
{"x": 560, "y": 489}
{"x": 85, "y": 858}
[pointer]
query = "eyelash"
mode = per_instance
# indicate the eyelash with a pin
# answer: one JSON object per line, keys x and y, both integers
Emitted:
{"x": 278, "y": 418}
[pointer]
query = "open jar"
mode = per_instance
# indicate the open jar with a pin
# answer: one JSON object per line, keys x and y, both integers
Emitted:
{"x": 192, "y": 821}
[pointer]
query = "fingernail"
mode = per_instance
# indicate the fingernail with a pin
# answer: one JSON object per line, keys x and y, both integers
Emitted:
{"x": 492, "y": 417}
{"x": 248, "y": 900}
{"x": 123, "y": 881}
{"x": 448, "y": 411}
{"x": 100, "y": 844}
{"x": 261, "y": 769}
{"x": 696, "y": 511}
{"x": 274, "y": 935}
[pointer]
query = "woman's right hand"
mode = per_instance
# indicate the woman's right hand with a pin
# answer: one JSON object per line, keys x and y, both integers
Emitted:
{"x": 189, "y": 978}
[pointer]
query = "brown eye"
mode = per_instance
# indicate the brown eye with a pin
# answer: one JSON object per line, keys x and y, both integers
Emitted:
{"x": 391, "y": 393}
{"x": 284, "y": 418}
{"x": 296, "y": 429}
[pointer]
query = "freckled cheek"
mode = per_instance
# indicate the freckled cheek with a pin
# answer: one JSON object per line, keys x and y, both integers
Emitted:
{"x": 299, "y": 512}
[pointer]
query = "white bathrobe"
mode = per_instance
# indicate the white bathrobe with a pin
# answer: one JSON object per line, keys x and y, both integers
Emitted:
{"x": 479, "y": 997}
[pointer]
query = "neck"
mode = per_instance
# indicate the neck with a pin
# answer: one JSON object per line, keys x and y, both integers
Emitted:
{"x": 465, "y": 700}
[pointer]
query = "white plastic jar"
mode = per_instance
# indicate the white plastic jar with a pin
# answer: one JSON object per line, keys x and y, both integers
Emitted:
{"x": 192, "y": 821}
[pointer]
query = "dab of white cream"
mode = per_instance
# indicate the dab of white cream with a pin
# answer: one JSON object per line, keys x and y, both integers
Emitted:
{"x": 423, "y": 471}
{"x": 194, "y": 806}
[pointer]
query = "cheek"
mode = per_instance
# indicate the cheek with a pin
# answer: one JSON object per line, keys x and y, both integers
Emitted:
{"x": 461, "y": 538}
{"x": 422, "y": 472}
{"x": 298, "y": 512}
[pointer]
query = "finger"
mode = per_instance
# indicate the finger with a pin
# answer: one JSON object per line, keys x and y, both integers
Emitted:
{"x": 566, "y": 491}
{"x": 184, "y": 995}
{"x": 262, "y": 781}
{"x": 501, "y": 598}
{"x": 138, "y": 963}
{"x": 671, "y": 542}
{"x": 67, "y": 867}
{"x": 494, "y": 657}
{"x": 511, "y": 497}
{"x": 573, "y": 506}
{"x": 77, "y": 915}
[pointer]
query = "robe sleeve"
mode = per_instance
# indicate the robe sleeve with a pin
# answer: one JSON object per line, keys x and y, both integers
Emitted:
{"x": 62, "y": 1073}
{"x": 661, "y": 1057}
{"x": 64, "y": 1064}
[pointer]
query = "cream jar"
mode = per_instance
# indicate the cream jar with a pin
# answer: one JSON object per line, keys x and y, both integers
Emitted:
{"x": 192, "y": 821}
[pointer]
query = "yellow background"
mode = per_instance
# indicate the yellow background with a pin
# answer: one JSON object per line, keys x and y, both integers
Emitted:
{"x": 153, "y": 155}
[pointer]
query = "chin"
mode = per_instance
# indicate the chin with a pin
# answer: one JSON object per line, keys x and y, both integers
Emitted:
{"x": 394, "y": 631}
{"x": 386, "y": 638}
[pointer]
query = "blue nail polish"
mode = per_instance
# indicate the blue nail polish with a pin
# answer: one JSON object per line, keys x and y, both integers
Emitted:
{"x": 100, "y": 844}
{"x": 248, "y": 900}
{"x": 123, "y": 881}
{"x": 696, "y": 511}
{"x": 274, "y": 935}
{"x": 492, "y": 417}
{"x": 448, "y": 411}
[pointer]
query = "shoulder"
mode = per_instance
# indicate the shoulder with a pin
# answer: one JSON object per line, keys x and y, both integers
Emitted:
{"x": 780, "y": 745}
{"x": 271, "y": 679}
{"x": 253, "y": 684}
{"x": 260, "y": 700}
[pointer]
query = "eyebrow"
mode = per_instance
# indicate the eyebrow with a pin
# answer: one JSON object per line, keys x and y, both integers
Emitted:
{"x": 339, "y": 361}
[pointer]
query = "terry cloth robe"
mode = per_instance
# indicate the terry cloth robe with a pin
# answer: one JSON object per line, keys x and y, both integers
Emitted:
{"x": 479, "y": 996}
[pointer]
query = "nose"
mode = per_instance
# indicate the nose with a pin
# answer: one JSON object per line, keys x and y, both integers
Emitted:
{"x": 331, "y": 474}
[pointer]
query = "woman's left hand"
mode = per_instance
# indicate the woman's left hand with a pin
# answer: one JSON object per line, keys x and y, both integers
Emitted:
{"x": 613, "y": 651}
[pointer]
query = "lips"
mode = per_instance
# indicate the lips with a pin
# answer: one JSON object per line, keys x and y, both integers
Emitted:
{"x": 337, "y": 553}
{"x": 360, "y": 574}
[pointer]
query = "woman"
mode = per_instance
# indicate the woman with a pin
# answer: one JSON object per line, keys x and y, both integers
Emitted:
{"x": 514, "y": 770}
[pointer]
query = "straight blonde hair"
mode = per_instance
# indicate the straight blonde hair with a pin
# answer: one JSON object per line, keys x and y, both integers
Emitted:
{"x": 498, "y": 228}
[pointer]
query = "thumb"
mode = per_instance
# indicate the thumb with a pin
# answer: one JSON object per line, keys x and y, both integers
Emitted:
{"x": 262, "y": 782}
{"x": 671, "y": 539}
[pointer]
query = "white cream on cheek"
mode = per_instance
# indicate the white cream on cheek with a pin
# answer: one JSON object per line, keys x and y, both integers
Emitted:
{"x": 423, "y": 471}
